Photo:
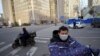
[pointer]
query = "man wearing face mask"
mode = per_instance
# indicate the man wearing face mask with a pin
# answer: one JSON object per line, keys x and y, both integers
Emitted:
{"x": 62, "y": 44}
{"x": 61, "y": 35}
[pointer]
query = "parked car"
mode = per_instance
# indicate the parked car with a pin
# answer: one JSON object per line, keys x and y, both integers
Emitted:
{"x": 78, "y": 25}
{"x": 95, "y": 22}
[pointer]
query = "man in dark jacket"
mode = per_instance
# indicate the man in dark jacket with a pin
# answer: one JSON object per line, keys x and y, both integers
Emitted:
{"x": 24, "y": 37}
{"x": 54, "y": 35}
{"x": 62, "y": 44}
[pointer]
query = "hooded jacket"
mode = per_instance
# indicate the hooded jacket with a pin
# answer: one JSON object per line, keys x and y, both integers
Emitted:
{"x": 69, "y": 47}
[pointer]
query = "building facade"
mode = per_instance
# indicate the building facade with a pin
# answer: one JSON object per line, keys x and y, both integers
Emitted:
{"x": 90, "y": 3}
{"x": 71, "y": 8}
{"x": 95, "y": 7}
{"x": 16, "y": 11}
{"x": 26, "y": 11}
{"x": 41, "y": 11}
{"x": 96, "y": 3}
{"x": 22, "y": 11}
{"x": 65, "y": 8}
{"x": 8, "y": 10}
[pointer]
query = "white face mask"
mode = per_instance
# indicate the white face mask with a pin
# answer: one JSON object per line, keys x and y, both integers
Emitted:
{"x": 63, "y": 37}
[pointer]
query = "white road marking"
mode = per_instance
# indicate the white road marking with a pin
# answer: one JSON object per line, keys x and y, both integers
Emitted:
{"x": 4, "y": 48}
{"x": 31, "y": 51}
{"x": 42, "y": 38}
{"x": 86, "y": 37}
{"x": 15, "y": 51}
{"x": 2, "y": 43}
{"x": 39, "y": 41}
{"x": 16, "y": 55}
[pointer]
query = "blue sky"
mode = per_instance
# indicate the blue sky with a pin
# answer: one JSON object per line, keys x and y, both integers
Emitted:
{"x": 83, "y": 2}
{"x": 1, "y": 7}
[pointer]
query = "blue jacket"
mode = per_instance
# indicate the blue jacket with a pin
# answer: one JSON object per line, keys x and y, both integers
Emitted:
{"x": 69, "y": 47}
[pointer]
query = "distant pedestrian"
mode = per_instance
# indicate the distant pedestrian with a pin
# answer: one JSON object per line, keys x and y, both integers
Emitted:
{"x": 74, "y": 24}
